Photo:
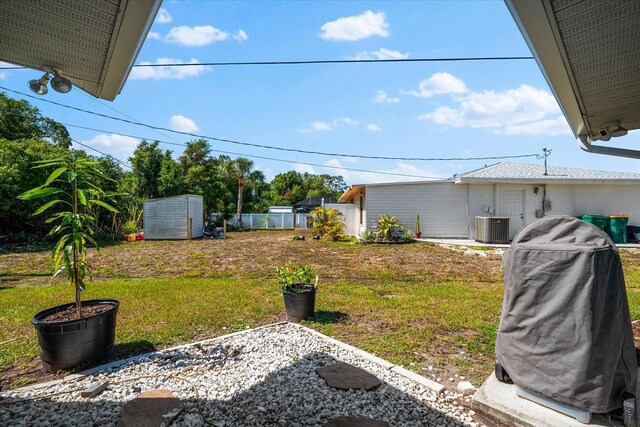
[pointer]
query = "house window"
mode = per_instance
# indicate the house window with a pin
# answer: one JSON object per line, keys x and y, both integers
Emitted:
{"x": 361, "y": 208}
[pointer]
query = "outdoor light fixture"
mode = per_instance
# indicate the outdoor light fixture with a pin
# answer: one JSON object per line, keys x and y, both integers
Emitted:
{"x": 39, "y": 86}
{"x": 58, "y": 83}
{"x": 612, "y": 129}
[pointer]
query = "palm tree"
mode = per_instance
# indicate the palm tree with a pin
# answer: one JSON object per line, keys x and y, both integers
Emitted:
{"x": 241, "y": 170}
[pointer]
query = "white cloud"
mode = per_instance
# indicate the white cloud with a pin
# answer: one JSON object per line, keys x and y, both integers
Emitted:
{"x": 557, "y": 126}
{"x": 269, "y": 174}
{"x": 439, "y": 84}
{"x": 182, "y": 124}
{"x": 352, "y": 28}
{"x": 383, "y": 98}
{"x": 201, "y": 35}
{"x": 502, "y": 111}
{"x": 5, "y": 73}
{"x": 349, "y": 121}
{"x": 316, "y": 127}
{"x": 320, "y": 126}
{"x": 163, "y": 16}
{"x": 302, "y": 168}
{"x": 381, "y": 53}
{"x": 158, "y": 73}
{"x": 364, "y": 177}
{"x": 373, "y": 127}
{"x": 118, "y": 146}
{"x": 152, "y": 35}
{"x": 241, "y": 36}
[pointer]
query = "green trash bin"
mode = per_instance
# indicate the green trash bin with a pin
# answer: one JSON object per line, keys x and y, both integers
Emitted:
{"x": 599, "y": 221}
{"x": 617, "y": 228}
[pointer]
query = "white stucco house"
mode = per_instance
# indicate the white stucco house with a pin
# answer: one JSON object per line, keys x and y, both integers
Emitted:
{"x": 521, "y": 192}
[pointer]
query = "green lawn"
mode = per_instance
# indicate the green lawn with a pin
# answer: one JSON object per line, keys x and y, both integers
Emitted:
{"x": 394, "y": 319}
{"x": 416, "y": 305}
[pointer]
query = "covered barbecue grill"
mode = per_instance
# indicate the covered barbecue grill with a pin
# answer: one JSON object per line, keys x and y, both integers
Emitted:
{"x": 565, "y": 330}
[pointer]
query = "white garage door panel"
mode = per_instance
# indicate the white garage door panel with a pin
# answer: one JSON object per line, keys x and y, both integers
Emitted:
{"x": 442, "y": 207}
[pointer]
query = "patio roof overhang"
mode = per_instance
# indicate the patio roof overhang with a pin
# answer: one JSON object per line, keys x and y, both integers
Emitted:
{"x": 93, "y": 43}
{"x": 589, "y": 53}
{"x": 351, "y": 192}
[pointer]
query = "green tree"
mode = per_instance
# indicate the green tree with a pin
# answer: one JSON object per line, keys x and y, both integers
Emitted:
{"x": 203, "y": 174}
{"x": 171, "y": 181}
{"x": 74, "y": 183}
{"x": 16, "y": 160}
{"x": 291, "y": 187}
{"x": 19, "y": 120}
{"x": 241, "y": 170}
{"x": 146, "y": 166}
{"x": 282, "y": 186}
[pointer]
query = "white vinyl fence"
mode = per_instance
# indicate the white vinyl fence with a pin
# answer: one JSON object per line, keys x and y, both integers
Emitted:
{"x": 272, "y": 221}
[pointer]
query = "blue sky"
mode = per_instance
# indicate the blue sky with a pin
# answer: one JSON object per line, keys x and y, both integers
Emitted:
{"x": 452, "y": 109}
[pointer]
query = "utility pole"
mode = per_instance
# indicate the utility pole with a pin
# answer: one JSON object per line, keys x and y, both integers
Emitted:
{"x": 545, "y": 154}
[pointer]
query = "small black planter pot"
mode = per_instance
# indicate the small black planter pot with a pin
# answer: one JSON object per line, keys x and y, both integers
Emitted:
{"x": 300, "y": 306}
{"x": 71, "y": 343}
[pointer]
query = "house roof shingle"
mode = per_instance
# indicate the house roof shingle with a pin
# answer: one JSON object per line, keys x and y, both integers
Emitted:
{"x": 530, "y": 173}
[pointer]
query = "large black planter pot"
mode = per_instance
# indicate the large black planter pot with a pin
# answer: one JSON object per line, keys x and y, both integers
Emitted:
{"x": 300, "y": 306}
{"x": 71, "y": 343}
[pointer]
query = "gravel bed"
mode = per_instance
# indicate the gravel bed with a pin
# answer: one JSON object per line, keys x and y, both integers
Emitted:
{"x": 260, "y": 377}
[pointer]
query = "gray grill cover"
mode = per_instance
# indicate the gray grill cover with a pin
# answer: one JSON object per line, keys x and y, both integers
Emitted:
{"x": 565, "y": 330}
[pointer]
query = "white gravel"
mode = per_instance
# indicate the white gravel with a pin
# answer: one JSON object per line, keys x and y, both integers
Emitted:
{"x": 260, "y": 377}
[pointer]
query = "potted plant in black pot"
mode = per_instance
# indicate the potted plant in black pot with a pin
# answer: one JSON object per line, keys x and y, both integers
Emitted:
{"x": 76, "y": 333}
{"x": 298, "y": 290}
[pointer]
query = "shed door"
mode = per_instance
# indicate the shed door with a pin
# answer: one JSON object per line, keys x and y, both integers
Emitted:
{"x": 512, "y": 206}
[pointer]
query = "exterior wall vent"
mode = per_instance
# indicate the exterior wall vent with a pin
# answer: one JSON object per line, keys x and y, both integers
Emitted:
{"x": 492, "y": 229}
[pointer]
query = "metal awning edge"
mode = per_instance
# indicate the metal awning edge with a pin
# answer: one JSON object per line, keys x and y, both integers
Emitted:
{"x": 135, "y": 18}
{"x": 541, "y": 35}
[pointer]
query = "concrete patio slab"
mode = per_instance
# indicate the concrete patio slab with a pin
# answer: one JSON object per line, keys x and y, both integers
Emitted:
{"x": 470, "y": 242}
{"x": 500, "y": 401}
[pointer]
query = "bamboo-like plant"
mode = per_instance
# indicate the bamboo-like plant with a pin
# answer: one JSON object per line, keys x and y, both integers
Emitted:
{"x": 72, "y": 182}
{"x": 417, "y": 223}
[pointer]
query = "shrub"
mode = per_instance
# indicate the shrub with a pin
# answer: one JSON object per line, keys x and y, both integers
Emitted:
{"x": 407, "y": 235}
{"x": 292, "y": 277}
{"x": 366, "y": 237}
{"x": 389, "y": 228}
{"x": 327, "y": 223}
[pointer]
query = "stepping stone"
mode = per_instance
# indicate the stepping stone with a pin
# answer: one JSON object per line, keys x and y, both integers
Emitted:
{"x": 344, "y": 376}
{"x": 355, "y": 422}
{"x": 154, "y": 408}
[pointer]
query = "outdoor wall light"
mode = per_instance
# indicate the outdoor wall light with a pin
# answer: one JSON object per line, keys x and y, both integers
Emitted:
{"x": 612, "y": 129}
{"x": 39, "y": 86}
{"x": 58, "y": 83}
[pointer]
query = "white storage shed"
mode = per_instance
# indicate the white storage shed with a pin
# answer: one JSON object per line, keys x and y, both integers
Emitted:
{"x": 177, "y": 217}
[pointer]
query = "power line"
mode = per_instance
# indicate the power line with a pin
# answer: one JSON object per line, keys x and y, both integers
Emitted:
{"x": 121, "y": 113}
{"x": 104, "y": 154}
{"x": 253, "y": 156}
{"x": 269, "y": 147}
{"x": 321, "y": 61}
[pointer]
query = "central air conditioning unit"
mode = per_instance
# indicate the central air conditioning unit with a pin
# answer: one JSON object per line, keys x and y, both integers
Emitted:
{"x": 492, "y": 229}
